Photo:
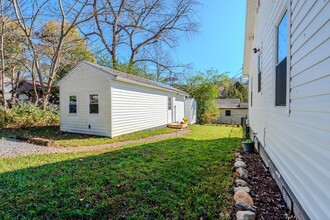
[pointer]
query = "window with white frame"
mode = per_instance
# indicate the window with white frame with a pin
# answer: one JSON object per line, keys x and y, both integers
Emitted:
{"x": 259, "y": 71}
{"x": 281, "y": 64}
{"x": 93, "y": 103}
{"x": 169, "y": 104}
{"x": 72, "y": 104}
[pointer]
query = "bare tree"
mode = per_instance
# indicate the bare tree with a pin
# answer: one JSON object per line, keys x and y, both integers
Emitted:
{"x": 108, "y": 16}
{"x": 160, "y": 62}
{"x": 158, "y": 21}
{"x": 4, "y": 8}
{"x": 136, "y": 25}
{"x": 69, "y": 14}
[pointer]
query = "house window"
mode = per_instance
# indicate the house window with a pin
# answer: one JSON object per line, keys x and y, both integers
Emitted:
{"x": 228, "y": 113}
{"x": 259, "y": 71}
{"x": 72, "y": 104}
{"x": 251, "y": 94}
{"x": 281, "y": 66}
{"x": 94, "y": 104}
{"x": 169, "y": 104}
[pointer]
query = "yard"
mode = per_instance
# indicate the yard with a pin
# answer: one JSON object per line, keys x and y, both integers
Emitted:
{"x": 178, "y": 178}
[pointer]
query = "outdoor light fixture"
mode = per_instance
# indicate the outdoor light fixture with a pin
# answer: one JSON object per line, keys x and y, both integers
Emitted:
{"x": 255, "y": 50}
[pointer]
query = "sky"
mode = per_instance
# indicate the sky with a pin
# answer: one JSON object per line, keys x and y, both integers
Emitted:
{"x": 220, "y": 41}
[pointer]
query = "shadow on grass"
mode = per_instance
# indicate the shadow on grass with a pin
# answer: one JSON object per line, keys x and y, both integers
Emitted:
{"x": 49, "y": 132}
{"x": 177, "y": 178}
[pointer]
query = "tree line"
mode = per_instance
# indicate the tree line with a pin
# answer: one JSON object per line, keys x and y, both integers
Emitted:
{"x": 43, "y": 39}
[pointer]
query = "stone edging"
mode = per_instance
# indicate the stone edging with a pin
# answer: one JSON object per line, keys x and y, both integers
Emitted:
{"x": 243, "y": 200}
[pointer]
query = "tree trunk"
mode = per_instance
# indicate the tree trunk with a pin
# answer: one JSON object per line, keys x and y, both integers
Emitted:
{"x": 14, "y": 85}
{"x": 4, "y": 102}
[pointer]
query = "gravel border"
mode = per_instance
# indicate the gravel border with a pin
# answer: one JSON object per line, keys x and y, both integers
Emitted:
{"x": 13, "y": 148}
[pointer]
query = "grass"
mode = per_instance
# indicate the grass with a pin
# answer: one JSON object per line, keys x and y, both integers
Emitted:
{"x": 178, "y": 178}
{"x": 73, "y": 140}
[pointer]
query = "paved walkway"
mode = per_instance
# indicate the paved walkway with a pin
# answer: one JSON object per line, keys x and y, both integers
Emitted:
{"x": 13, "y": 148}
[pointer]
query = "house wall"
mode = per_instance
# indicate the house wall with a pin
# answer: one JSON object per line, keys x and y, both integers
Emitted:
{"x": 234, "y": 118}
{"x": 83, "y": 81}
{"x": 137, "y": 108}
{"x": 295, "y": 139}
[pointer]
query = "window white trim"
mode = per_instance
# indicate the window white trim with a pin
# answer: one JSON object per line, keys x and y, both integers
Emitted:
{"x": 77, "y": 104}
{"x": 282, "y": 110}
{"x": 99, "y": 103}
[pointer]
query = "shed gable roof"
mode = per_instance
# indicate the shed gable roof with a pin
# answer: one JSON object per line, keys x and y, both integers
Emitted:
{"x": 118, "y": 75}
{"x": 231, "y": 103}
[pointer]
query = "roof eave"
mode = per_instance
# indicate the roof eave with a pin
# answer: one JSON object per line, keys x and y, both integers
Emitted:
{"x": 121, "y": 79}
{"x": 250, "y": 19}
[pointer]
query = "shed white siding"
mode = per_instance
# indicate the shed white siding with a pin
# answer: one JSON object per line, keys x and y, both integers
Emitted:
{"x": 137, "y": 108}
{"x": 190, "y": 110}
{"x": 235, "y": 117}
{"x": 83, "y": 81}
{"x": 296, "y": 137}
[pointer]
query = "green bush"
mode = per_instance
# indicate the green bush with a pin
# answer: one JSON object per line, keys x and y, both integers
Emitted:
{"x": 25, "y": 116}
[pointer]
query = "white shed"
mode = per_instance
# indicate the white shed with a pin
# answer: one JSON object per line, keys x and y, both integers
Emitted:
{"x": 190, "y": 110}
{"x": 287, "y": 60}
{"x": 101, "y": 101}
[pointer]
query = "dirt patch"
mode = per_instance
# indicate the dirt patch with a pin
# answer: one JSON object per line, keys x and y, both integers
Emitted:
{"x": 266, "y": 195}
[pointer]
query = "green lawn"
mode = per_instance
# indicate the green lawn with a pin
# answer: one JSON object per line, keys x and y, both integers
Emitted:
{"x": 65, "y": 139}
{"x": 178, "y": 178}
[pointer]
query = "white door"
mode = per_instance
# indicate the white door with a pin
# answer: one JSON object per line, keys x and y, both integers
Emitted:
{"x": 174, "y": 114}
{"x": 169, "y": 110}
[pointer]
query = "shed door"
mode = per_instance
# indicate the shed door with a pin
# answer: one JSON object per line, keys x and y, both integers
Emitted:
{"x": 169, "y": 110}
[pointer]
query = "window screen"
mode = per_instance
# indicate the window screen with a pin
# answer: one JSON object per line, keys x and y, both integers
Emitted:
{"x": 259, "y": 72}
{"x": 94, "y": 104}
{"x": 72, "y": 104}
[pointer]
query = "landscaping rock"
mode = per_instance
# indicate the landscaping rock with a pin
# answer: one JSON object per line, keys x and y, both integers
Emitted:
{"x": 241, "y": 188}
{"x": 239, "y": 182}
{"x": 238, "y": 159}
{"x": 241, "y": 196}
{"x": 239, "y": 164}
{"x": 244, "y": 207}
{"x": 243, "y": 173}
{"x": 245, "y": 215}
{"x": 38, "y": 141}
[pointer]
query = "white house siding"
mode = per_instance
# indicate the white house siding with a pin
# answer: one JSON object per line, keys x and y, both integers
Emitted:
{"x": 83, "y": 81}
{"x": 136, "y": 108}
{"x": 297, "y": 137}
{"x": 234, "y": 118}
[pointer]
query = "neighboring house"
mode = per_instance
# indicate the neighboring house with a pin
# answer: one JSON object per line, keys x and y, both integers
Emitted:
{"x": 287, "y": 60}
{"x": 190, "y": 110}
{"x": 25, "y": 90}
{"x": 231, "y": 111}
{"x": 102, "y": 101}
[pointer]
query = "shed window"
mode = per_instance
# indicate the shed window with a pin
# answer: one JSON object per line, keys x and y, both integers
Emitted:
{"x": 228, "y": 113}
{"x": 72, "y": 104}
{"x": 281, "y": 67}
{"x": 94, "y": 104}
{"x": 169, "y": 103}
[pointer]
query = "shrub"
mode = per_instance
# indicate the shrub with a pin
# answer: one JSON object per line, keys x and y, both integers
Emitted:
{"x": 24, "y": 116}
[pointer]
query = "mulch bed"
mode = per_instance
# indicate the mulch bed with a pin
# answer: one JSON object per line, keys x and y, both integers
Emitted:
{"x": 266, "y": 195}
